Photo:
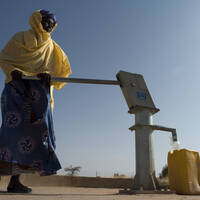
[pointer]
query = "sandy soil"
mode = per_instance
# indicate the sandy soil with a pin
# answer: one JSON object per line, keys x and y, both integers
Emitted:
{"x": 70, "y": 193}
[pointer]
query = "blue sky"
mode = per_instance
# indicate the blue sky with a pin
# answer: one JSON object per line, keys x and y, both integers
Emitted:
{"x": 158, "y": 39}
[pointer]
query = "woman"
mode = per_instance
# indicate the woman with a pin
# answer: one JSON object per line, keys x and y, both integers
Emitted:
{"x": 27, "y": 138}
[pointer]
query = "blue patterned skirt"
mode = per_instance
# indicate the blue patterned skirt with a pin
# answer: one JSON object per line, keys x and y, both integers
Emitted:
{"x": 27, "y": 141}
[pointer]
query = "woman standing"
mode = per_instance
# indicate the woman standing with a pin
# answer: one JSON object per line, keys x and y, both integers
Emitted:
{"x": 27, "y": 137}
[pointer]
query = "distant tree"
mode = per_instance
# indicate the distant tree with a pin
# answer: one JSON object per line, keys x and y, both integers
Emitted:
{"x": 164, "y": 172}
{"x": 72, "y": 171}
{"x": 117, "y": 175}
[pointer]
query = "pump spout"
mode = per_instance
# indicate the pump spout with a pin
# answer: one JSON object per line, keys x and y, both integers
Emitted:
{"x": 174, "y": 136}
{"x": 160, "y": 128}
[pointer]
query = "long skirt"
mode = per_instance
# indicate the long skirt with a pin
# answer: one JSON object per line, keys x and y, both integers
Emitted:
{"x": 27, "y": 140}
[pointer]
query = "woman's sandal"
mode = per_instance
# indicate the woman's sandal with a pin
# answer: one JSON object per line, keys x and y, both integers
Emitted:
{"x": 19, "y": 188}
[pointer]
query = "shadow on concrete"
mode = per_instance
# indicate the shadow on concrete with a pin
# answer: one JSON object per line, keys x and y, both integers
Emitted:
{"x": 50, "y": 195}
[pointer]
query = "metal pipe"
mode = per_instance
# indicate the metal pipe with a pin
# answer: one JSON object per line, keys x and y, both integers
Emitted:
{"x": 76, "y": 80}
{"x": 156, "y": 127}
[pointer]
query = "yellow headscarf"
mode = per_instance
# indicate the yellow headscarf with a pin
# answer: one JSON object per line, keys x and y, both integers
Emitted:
{"x": 33, "y": 52}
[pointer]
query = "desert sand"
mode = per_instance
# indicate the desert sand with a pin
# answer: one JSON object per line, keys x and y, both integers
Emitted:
{"x": 73, "y": 193}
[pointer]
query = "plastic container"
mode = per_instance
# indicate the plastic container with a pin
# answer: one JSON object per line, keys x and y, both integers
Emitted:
{"x": 184, "y": 171}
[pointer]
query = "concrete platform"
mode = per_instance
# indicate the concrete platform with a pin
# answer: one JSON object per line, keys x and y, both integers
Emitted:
{"x": 71, "y": 193}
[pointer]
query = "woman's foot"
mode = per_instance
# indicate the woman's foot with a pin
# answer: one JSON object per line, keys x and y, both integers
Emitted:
{"x": 19, "y": 188}
{"x": 16, "y": 187}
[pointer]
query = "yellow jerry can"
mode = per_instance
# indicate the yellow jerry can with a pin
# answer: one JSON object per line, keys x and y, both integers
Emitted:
{"x": 184, "y": 171}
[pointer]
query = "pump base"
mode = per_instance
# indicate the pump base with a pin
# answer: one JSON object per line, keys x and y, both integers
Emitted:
{"x": 130, "y": 191}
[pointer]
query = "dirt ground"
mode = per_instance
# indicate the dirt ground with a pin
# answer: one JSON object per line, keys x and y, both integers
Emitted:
{"x": 72, "y": 193}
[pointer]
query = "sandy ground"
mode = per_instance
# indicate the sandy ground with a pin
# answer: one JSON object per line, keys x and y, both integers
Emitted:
{"x": 71, "y": 193}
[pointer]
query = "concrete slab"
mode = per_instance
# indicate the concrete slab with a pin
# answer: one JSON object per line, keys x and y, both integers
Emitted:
{"x": 71, "y": 193}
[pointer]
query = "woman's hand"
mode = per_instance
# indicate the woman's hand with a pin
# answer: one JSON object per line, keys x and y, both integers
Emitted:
{"x": 16, "y": 75}
{"x": 45, "y": 78}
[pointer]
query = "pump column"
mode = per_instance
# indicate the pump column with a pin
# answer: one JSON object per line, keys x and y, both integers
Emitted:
{"x": 145, "y": 167}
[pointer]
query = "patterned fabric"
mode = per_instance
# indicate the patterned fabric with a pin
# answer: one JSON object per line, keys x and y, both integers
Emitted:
{"x": 8, "y": 168}
{"x": 27, "y": 141}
